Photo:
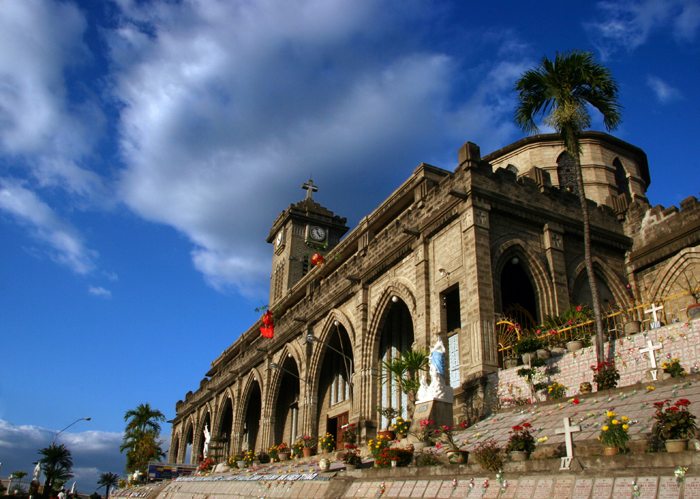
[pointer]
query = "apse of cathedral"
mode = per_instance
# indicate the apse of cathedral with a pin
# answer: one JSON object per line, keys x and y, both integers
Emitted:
{"x": 447, "y": 255}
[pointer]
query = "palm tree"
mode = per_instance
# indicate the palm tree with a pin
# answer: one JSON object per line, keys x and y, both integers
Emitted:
{"x": 404, "y": 370}
{"x": 144, "y": 419}
{"x": 141, "y": 437}
{"x": 56, "y": 463}
{"x": 561, "y": 91}
{"x": 108, "y": 480}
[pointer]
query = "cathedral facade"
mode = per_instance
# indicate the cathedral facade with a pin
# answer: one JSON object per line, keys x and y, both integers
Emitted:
{"x": 444, "y": 256}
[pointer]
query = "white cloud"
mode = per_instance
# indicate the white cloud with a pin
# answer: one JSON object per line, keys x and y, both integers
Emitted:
{"x": 628, "y": 24}
{"x": 664, "y": 92}
{"x": 219, "y": 126}
{"x": 100, "y": 291}
{"x": 66, "y": 245}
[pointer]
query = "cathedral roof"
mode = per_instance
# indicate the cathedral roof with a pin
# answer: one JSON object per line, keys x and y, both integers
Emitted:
{"x": 307, "y": 210}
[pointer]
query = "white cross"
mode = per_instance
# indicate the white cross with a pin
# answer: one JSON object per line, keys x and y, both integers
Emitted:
{"x": 567, "y": 431}
{"x": 310, "y": 188}
{"x": 655, "y": 324}
{"x": 652, "y": 356}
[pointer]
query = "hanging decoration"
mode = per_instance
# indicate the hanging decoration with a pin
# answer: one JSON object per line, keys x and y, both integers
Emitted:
{"x": 267, "y": 330}
{"x": 317, "y": 259}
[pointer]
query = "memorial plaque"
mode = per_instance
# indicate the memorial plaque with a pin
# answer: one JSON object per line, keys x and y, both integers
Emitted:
{"x": 419, "y": 488}
{"x": 407, "y": 488}
{"x": 603, "y": 487}
{"x": 363, "y": 489}
{"x": 544, "y": 487}
{"x": 525, "y": 488}
{"x": 445, "y": 489}
{"x": 432, "y": 489}
{"x": 511, "y": 486}
{"x": 691, "y": 488}
{"x": 583, "y": 488}
{"x": 563, "y": 488}
{"x": 461, "y": 490}
{"x": 623, "y": 486}
{"x": 393, "y": 489}
{"x": 647, "y": 486}
{"x": 668, "y": 488}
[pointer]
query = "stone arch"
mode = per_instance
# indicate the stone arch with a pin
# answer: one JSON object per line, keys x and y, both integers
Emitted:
{"x": 622, "y": 181}
{"x": 537, "y": 273}
{"x": 327, "y": 329}
{"x": 188, "y": 439}
{"x": 608, "y": 277}
{"x": 512, "y": 168}
{"x": 283, "y": 398}
{"x": 175, "y": 448}
{"x": 205, "y": 417}
{"x": 247, "y": 423}
{"x": 370, "y": 347}
{"x": 666, "y": 279}
{"x": 223, "y": 424}
{"x": 566, "y": 172}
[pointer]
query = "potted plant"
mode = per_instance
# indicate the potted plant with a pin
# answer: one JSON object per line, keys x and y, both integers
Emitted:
{"x": 352, "y": 459}
{"x": 307, "y": 445}
{"x": 489, "y": 456}
{"x": 283, "y": 451}
{"x": 298, "y": 448}
{"x": 248, "y": 458}
{"x": 349, "y": 435}
{"x": 613, "y": 433}
{"x": 445, "y": 433}
{"x": 605, "y": 375}
{"x": 585, "y": 387}
{"x": 376, "y": 445}
{"x": 389, "y": 413}
{"x": 674, "y": 424}
{"x": 326, "y": 443}
{"x": 424, "y": 433}
{"x": 556, "y": 391}
{"x": 673, "y": 368}
{"x": 528, "y": 346}
{"x": 205, "y": 466}
{"x": 521, "y": 442}
{"x": 401, "y": 427}
{"x": 273, "y": 454}
{"x": 405, "y": 371}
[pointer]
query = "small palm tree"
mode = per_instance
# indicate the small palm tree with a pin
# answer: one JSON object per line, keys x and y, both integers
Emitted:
{"x": 404, "y": 370}
{"x": 108, "y": 480}
{"x": 144, "y": 419}
{"x": 561, "y": 91}
{"x": 140, "y": 440}
{"x": 56, "y": 463}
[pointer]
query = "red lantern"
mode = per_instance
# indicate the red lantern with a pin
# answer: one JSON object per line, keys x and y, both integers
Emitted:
{"x": 317, "y": 259}
{"x": 267, "y": 330}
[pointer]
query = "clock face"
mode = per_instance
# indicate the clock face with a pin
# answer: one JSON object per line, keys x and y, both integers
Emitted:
{"x": 317, "y": 233}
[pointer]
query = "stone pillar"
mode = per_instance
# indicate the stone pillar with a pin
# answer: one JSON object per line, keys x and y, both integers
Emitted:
{"x": 421, "y": 330}
{"x": 478, "y": 344}
{"x": 554, "y": 252}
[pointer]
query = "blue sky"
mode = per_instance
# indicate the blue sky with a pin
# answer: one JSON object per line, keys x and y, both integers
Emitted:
{"x": 147, "y": 146}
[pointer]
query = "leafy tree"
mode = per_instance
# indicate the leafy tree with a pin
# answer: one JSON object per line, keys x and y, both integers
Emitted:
{"x": 404, "y": 370}
{"x": 108, "y": 480}
{"x": 141, "y": 437}
{"x": 56, "y": 463}
{"x": 561, "y": 91}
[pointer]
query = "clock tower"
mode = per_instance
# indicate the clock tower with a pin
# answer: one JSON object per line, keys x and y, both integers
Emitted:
{"x": 298, "y": 232}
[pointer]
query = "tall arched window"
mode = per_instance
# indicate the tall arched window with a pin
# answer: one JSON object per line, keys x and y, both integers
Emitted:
{"x": 621, "y": 180}
{"x": 566, "y": 171}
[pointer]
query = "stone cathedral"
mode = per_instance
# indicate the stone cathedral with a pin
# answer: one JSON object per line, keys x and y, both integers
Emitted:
{"x": 446, "y": 255}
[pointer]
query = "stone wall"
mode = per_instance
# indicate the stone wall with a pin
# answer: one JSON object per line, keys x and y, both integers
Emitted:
{"x": 679, "y": 340}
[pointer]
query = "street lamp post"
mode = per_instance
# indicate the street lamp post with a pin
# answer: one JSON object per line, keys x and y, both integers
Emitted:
{"x": 64, "y": 429}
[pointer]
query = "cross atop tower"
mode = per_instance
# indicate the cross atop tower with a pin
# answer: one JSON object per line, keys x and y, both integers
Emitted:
{"x": 310, "y": 188}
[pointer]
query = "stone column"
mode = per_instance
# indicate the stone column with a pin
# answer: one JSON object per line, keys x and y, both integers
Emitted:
{"x": 554, "y": 251}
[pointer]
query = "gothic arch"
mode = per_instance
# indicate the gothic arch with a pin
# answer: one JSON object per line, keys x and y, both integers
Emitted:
{"x": 370, "y": 347}
{"x": 189, "y": 426}
{"x": 175, "y": 448}
{"x": 327, "y": 330}
{"x": 206, "y": 415}
{"x": 289, "y": 350}
{"x": 608, "y": 276}
{"x": 622, "y": 182}
{"x": 539, "y": 275}
{"x": 673, "y": 271}
{"x": 255, "y": 377}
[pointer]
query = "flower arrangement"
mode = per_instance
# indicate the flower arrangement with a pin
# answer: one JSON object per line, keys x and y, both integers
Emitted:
{"x": 206, "y": 465}
{"x": 401, "y": 456}
{"x": 273, "y": 453}
{"x": 233, "y": 460}
{"x": 297, "y": 448}
{"x": 327, "y": 442}
{"x": 426, "y": 430}
{"x": 528, "y": 344}
{"x": 673, "y": 421}
{"x": 489, "y": 456}
{"x": 248, "y": 457}
{"x": 307, "y": 441}
{"x": 521, "y": 439}
{"x": 283, "y": 448}
{"x": 352, "y": 457}
{"x": 446, "y": 434}
{"x": 401, "y": 426}
{"x": 556, "y": 391}
{"x": 376, "y": 445}
{"x": 349, "y": 434}
{"x": 673, "y": 367}
{"x": 605, "y": 375}
{"x": 613, "y": 431}
{"x": 263, "y": 457}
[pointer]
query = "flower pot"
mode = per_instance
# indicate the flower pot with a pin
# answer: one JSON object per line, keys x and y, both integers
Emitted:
{"x": 574, "y": 346}
{"x": 240, "y": 464}
{"x": 693, "y": 311}
{"x": 632, "y": 327}
{"x": 393, "y": 464}
{"x": 676, "y": 445}
{"x": 543, "y": 354}
{"x": 527, "y": 357}
{"x": 518, "y": 455}
{"x": 457, "y": 456}
{"x": 387, "y": 433}
{"x": 324, "y": 464}
{"x": 283, "y": 456}
{"x": 585, "y": 387}
{"x": 307, "y": 451}
{"x": 610, "y": 451}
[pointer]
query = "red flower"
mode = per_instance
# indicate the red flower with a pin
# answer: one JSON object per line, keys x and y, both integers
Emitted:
{"x": 575, "y": 401}
{"x": 659, "y": 405}
{"x": 517, "y": 428}
{"x": 438, "y": 445}
{"x": 683, "y": 403}
{"x": 579, "y": 308}
{"x": 527, "y": 425}
{"x": 463, "y": 424}
{"x": 673, "y": 409}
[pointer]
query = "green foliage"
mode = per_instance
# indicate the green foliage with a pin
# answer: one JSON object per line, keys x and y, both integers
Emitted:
{"x": 613, "y": 431}
{"x": 141, "y": 442}
{"x": 404, "y": 370}
{"x": 108, "y": 480}
{"x": 56, "y": 464}
{"x": 521, "y": 439}
{"x": 673, "y": 421}
{"x": 674, "y": 368}
{"x": 489, "y": 456}
{"x": 528, "y": 344}
{"x": 606, "y": 375}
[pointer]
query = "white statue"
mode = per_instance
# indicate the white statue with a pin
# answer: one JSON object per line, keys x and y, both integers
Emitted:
{"x": 438, "y": 390}
{"x": 37, "y": 471}
{"x": 207, "y": 438}
{"x": 423, "y": 393}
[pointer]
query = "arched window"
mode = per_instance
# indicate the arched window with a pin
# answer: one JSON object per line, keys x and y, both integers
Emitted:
{"x": 566, "y": 171}
{"x": 512, "y": 168}
{"x": 621, "y": 180}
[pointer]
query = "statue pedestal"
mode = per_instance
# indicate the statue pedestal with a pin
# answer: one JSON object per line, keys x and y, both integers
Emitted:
{"x": 437, "y": 410}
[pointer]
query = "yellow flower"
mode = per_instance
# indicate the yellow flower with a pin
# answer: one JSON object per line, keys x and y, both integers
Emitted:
{"x": 625, "y": 427}
{"x": 624, "y": 419}
{"x": 610, "y": 414}
{"x": 651, "y": 388}
{"x": 605, "y": 428}
{"x": 615, "y": 421}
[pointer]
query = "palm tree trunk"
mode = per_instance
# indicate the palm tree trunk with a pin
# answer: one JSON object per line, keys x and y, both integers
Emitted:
{"x": 107, "y": 492}
{"x": 588, "y": 259}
